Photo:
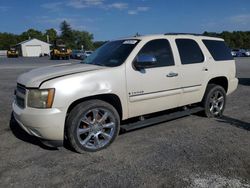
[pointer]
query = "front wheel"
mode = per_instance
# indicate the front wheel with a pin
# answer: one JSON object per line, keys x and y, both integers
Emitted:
{"x": 92, "y": 125}
{"x": 214, "y": 101}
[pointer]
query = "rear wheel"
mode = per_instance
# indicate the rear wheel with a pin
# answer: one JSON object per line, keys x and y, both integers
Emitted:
{"x": 92, "y": 125}
{"x": 214, "y": 101}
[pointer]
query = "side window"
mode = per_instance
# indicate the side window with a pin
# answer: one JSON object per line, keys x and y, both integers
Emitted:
{"x": 189, "y": 51}
{"x": 218, "y": 49}
{"x": 161, "y": 50}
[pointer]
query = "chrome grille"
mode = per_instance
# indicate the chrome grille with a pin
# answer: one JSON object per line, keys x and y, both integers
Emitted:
{"x": 20, "y": 95}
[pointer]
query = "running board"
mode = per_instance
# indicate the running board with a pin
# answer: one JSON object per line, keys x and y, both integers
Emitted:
{"x": 160, "y": 119}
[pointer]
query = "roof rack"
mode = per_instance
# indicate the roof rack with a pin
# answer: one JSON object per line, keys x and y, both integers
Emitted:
{"x": 194, "y": 34}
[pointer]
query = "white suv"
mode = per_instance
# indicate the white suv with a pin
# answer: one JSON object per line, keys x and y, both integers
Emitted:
{"x": 85, "y": 103}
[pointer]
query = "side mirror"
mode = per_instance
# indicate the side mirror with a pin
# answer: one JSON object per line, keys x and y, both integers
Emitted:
{"x": 144, "y": 61}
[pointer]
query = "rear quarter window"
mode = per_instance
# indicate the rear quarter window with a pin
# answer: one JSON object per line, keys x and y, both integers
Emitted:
{"x": 218, "y": 49}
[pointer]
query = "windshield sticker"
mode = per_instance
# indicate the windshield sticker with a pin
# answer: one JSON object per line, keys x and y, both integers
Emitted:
{"x": 130, "y": 42}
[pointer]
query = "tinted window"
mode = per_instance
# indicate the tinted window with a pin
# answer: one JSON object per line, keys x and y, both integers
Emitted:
{"x": 161, "y": 50}
{"x": 218, "y": 49}
{"x": 189, "y": 51}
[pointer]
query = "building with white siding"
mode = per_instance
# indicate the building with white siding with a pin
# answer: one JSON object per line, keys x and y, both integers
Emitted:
{"x": 33, "y": 48}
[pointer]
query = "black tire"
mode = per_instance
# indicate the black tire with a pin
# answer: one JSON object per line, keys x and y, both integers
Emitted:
{"x": 87, "y": 141}
{"x": 214, "y": 106}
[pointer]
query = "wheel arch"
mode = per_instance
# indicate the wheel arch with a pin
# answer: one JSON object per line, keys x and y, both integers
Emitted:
{"x": 112, "y": 99}
{"x": 221, "y": 81}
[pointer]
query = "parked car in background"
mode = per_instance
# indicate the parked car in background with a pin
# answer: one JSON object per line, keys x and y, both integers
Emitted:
{"x": 240, "y": 53}
{"x": 235, "y": 52}
{"x": 77, "y": 54}
{"x": 87, "y": 54}
{"x": 12, "y": 52}
{"x": 245, "y": 53}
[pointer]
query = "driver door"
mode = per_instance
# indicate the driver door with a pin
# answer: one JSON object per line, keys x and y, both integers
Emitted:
{"x": 154, "y": 88}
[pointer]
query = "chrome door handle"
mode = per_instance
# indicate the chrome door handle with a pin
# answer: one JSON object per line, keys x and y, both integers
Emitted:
{"x": 172, "y": 74}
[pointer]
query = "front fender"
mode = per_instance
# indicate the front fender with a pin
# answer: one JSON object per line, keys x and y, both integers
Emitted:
{"x": 71, "y": 88}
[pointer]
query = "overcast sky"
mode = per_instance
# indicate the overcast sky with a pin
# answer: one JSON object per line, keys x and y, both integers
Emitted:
{"x": 109, "y": 19}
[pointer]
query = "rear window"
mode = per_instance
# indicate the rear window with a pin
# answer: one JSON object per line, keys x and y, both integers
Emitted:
{"x": 189, "y": 51}
{"x": 218, "y": 49}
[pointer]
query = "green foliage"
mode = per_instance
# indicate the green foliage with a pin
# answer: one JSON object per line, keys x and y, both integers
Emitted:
{"x": 83, "y": 39}
{"x": 67, "y": 34}
{"x": 76, "y": 39}
{"x": 236, "y": 39}
{"x": 98, "y": 44}
{"x": 72, "y": 38}
{"x": 32, "y": 33}
{"x": 52, "y": 34}
{"x": 7, "y": 40}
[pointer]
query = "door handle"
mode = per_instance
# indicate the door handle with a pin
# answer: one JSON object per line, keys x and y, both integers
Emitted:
{"x": 172, "y": 74}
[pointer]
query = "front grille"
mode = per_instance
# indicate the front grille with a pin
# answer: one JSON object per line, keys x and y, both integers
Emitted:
{"x": 20, "y": 95}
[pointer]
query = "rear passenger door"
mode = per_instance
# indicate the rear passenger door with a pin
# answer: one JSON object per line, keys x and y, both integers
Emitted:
{"x": 193, "y": 70}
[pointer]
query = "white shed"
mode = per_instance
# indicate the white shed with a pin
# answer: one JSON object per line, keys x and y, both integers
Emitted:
{"x": 34, "y": 48}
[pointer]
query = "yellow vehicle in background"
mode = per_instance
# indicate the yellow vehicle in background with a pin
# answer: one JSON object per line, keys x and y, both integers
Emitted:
{"x": 12, "y": 52}
{"x": 60, "y": 51}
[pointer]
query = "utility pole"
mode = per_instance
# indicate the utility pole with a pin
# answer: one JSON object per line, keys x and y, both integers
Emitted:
{"x": 47, "y": 38}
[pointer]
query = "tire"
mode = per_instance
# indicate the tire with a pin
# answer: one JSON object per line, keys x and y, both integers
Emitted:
{"x": 214, "y": 101}
{"x": 92, "y": 126}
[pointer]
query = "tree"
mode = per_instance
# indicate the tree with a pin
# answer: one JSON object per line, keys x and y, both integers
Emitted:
{"x": 67, "y": 34}
{"x": 52, "y": 34}
{"x": 7, "y": 40}
{"x": 30, "y": 34}
{"x": 235, "y": 39}
{"x": 98, "y": 44}
{"x": 83, "y": 38}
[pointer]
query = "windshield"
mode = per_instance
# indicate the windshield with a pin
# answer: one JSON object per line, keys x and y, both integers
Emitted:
{"x": 112, "y": 54}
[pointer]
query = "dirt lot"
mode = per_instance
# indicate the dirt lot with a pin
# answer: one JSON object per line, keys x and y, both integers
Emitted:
{"x": 187, "y": 152}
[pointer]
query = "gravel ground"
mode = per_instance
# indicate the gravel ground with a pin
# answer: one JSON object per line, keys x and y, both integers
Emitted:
{"x": 187, "y": 152}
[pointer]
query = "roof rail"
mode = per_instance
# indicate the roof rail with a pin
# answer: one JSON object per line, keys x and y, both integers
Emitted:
{"x": 194, "y": 34}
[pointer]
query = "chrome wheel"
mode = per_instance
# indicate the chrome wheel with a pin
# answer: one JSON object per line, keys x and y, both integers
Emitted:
{"x": 216, "y": 103}
{"x": 96, "y": 128}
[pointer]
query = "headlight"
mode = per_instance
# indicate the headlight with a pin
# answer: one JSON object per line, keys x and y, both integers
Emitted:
{"x": 41, "y": 98}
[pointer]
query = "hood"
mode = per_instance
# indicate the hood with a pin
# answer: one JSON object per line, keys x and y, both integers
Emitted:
{"x": 35, "y": 77}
